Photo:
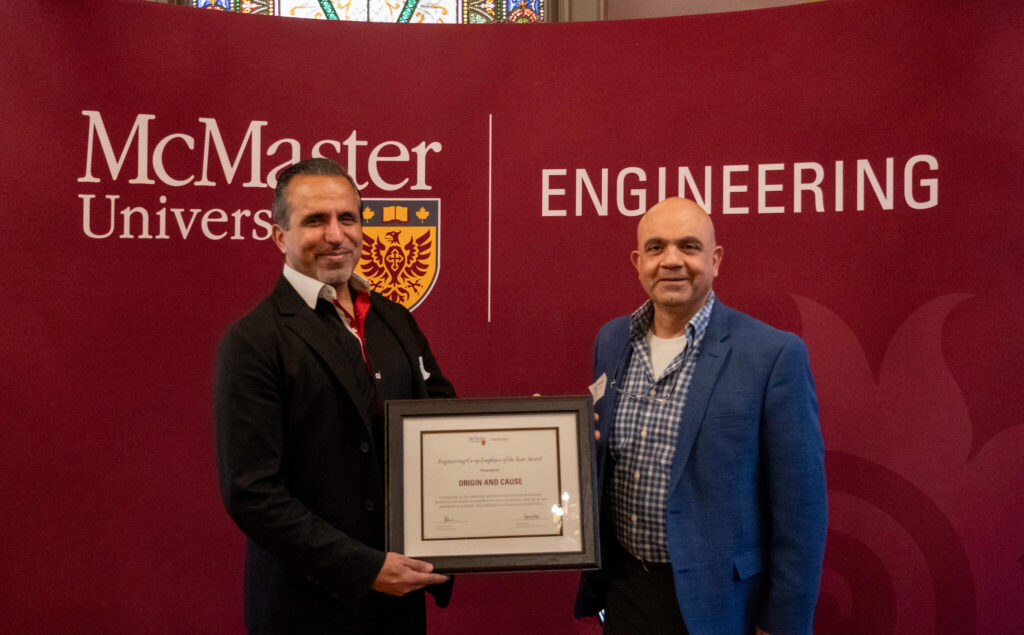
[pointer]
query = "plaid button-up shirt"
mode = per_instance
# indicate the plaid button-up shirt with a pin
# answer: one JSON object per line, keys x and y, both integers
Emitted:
{"x": 643, "y": 435}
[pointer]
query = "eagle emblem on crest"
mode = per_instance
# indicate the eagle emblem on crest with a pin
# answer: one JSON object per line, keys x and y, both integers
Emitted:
{"x": 399, "y": 255}
{"x": 396, "y": 268}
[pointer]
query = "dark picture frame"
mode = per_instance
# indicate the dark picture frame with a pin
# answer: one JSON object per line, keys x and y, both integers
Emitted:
{"x": 561, "y": 431}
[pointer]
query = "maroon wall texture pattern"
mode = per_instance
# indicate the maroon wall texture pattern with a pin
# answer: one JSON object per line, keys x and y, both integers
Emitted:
{"x": 861, "y": 161}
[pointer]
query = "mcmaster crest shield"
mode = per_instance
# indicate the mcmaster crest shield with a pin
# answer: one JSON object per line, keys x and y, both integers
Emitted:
{"x": 401, "y": 241}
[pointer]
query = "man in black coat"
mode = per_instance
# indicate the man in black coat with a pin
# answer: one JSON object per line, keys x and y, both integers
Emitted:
{"x": 298, "y": 407}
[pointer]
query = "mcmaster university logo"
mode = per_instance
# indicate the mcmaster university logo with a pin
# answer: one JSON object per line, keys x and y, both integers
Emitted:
{"x": 401, "y": 240}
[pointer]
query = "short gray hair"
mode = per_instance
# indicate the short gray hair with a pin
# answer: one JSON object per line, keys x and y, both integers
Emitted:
{"x": 309, "y": 167}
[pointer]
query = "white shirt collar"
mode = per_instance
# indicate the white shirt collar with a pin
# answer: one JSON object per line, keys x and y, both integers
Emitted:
{"x": 311, "y": 289}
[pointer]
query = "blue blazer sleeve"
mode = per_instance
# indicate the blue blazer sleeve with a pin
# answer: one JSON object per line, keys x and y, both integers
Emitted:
{"x": 792, "y": 452}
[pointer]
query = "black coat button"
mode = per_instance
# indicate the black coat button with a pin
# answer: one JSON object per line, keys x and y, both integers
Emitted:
{"x": 370, "y": 506}
{"x": 364, "y": 447}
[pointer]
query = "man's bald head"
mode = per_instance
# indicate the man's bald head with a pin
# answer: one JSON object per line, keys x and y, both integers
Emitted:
{"x": 676, "y": 258}
{"x": 679, "y": 209}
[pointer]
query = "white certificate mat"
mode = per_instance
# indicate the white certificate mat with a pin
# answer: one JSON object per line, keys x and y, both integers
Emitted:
{"x": 496, "y": 485}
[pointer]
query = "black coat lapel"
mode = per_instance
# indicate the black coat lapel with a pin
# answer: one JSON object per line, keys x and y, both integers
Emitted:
{"x": 406, "y": 339}
{"x": 346, "y": 363}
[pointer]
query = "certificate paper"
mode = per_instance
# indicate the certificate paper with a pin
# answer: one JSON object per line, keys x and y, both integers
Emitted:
{"x": 491, "y": 491}
{"x": 490, "y": 483}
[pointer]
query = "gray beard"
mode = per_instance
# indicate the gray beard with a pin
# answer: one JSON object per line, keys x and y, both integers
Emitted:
{"x": 335, "y": 277}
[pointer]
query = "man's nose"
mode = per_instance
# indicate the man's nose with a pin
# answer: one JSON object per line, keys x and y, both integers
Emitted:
{"x": 673, "y": 258}
{"x": 333, "y": 232}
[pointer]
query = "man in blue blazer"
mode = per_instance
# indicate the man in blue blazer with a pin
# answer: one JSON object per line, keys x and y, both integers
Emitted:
{"x": 710, "y": 455}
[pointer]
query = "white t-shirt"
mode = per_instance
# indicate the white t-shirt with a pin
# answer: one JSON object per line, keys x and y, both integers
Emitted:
{"x": 663, "y": 351}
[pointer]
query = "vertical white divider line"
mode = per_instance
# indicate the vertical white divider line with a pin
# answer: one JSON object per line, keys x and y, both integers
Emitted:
{"x": 490, "y": 173}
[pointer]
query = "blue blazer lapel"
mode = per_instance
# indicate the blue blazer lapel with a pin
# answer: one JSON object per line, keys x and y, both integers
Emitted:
{"x": 714, "y": 349}
{"x": 612, "y": 352}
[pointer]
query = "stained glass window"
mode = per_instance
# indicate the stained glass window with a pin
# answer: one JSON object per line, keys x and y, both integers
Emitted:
{"x": 413, "y": 11}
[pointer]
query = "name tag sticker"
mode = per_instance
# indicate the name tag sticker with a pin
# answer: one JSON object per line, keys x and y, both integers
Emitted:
{"x": 597, "y": 388}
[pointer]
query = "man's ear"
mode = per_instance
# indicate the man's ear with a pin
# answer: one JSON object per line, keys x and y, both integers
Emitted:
{"x": 278, "y": 235}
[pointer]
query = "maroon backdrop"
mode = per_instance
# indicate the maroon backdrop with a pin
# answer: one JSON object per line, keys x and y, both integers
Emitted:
{"x": 908, "y": 297}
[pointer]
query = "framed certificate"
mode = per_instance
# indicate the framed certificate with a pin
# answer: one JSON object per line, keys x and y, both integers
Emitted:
{"x": 504, "y": 484}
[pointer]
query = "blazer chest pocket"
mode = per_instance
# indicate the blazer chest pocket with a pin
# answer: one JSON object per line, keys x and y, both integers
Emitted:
{"x": 733, "y": 421}
{"x": 736, "y": 433}
{"x": 733, "y": 439}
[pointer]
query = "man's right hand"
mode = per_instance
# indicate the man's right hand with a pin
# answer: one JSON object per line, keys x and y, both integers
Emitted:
{"x": 401, "y": 574}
